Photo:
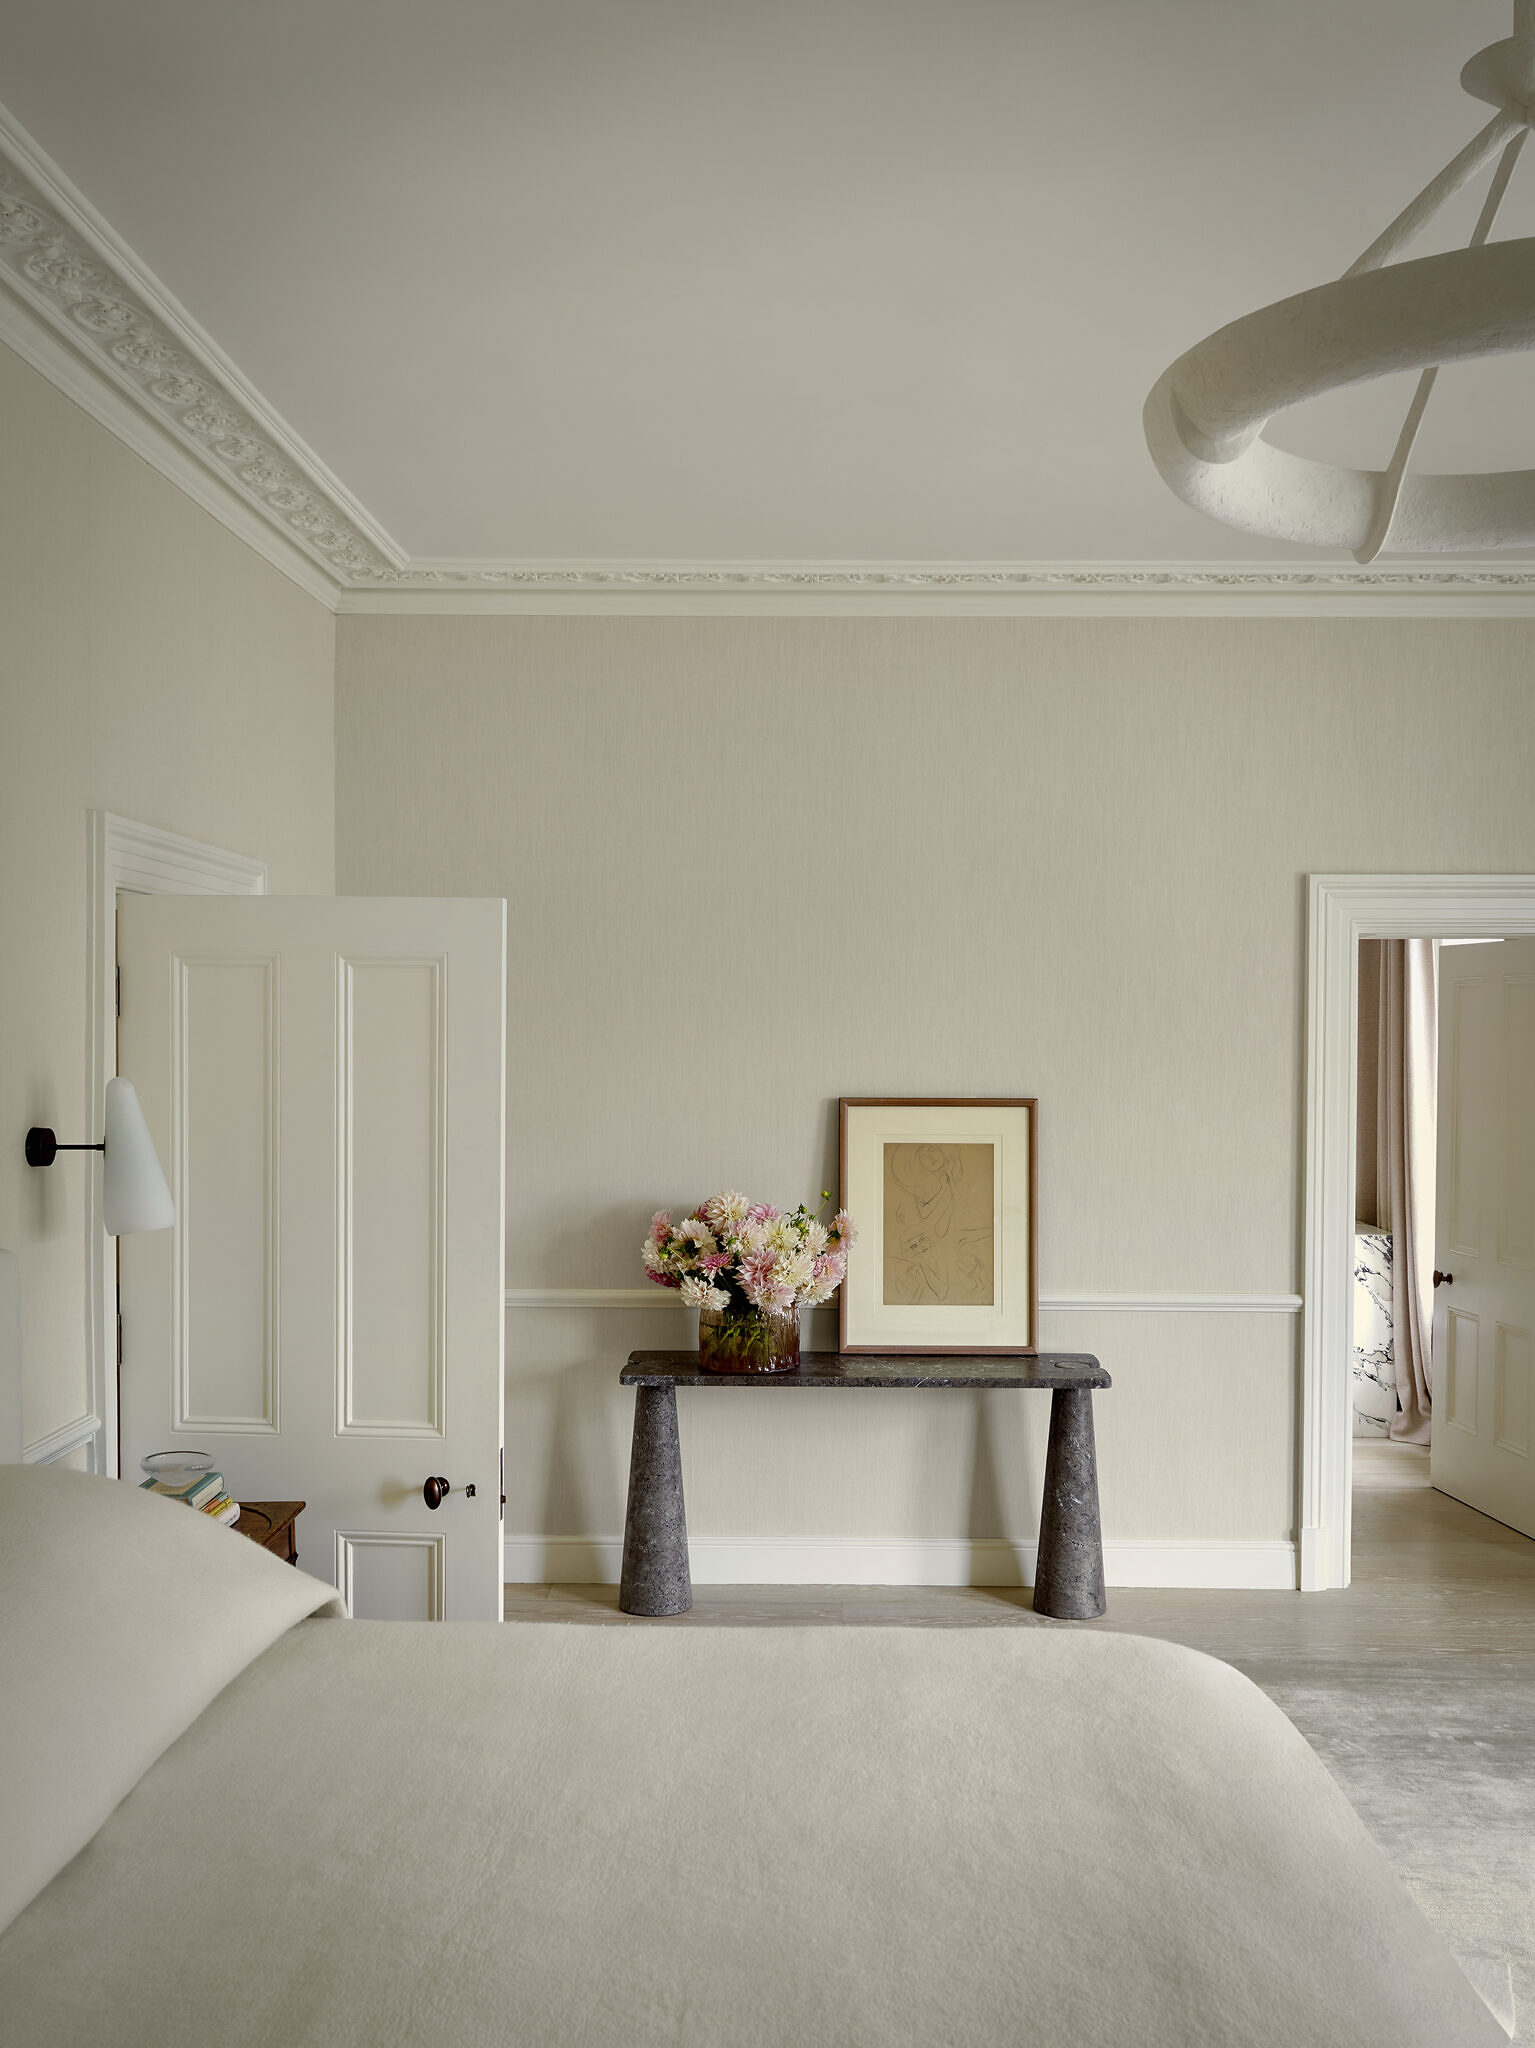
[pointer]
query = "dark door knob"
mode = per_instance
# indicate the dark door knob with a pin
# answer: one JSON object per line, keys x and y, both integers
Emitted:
{"x": 1443, "y": 1279}
{"x": 435, "y": 1492}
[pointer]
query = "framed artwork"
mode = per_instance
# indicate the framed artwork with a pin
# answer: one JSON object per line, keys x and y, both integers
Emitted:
{"x": 944, "y": 1192}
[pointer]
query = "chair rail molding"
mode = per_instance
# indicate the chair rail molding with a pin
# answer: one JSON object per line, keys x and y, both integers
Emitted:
{"x": 629, "y": 1298}
{"x": 59, "y": 1443}
{"x": 121, "y": 854}
{"x": 1344, "y": 909}
{"x": 86, "y": 312}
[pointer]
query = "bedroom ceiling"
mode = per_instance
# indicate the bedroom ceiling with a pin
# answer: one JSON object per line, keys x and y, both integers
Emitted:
{"x": 700, "y": 280}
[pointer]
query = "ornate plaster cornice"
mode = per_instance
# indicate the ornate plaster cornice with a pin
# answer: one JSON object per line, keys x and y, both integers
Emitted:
{"x": 83, "y": 309}
{"x": 69, "y": 268}
{"x": 1089, "y": 589}
{"x": 954, "y": 579}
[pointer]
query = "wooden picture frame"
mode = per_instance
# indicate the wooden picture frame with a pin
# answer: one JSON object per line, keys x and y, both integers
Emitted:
{"x": 947, "y": 1253}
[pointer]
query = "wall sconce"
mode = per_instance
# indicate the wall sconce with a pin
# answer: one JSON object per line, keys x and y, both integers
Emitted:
{"x": 134, "y": 1195}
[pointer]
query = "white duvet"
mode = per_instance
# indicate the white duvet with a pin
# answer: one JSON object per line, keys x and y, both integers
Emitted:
{"x": 377, "y": 1835}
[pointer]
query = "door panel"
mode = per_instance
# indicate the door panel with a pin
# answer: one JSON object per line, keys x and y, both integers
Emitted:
{"x": 1516, "y": 1218}
{"x": 1472, "y": 1056}
{"x": 392, "y": 1102}
{"x": 391, "y": 1578}
{"x": 324, "y": 1078}
{"x": 1511, "y": 1391}
{"x": 1484, "y": 1316}
{"x": 225, "y": 1304}
{"x": 1460, "y": 1377}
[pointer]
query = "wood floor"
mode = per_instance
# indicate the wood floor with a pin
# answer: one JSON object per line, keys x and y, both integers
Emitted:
{"x": 1430, "y": 1576}
{"x": 1416, "y": 1685}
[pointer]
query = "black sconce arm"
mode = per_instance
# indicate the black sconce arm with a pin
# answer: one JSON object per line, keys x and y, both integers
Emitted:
{"x": 43, "y": 1147}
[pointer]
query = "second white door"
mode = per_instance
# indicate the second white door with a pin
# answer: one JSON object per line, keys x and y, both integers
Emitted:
{"x": 1483, "y": 1449}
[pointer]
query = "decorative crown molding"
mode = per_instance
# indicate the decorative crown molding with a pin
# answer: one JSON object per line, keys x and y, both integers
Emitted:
{"x": 1084, "y": 589}
{"x": 964, "y": 580}
{"x": 70, "y": 268}
{"x": 85, "y": 311}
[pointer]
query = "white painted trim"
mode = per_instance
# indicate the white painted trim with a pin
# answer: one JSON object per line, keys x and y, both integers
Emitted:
{"x": 1060, "y": 1304}
{"x": 1293, "y": 589}
{"x": 1172, "y": 1304}
{"x": 48, "y": 1450}
{"x": 593, "y": 1297}
{"x": 1247, "y": 1564}
{"x": 121, "y": 854}
{"x": 1343, "y": 910}
{"x": 79, "y": 305}
{"x": 67, "y": 264}
{"x": 52, "y": 357}
{"x": 349, "y": 1541}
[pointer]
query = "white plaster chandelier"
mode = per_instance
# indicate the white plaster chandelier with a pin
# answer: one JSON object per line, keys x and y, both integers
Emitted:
{"x": 1206, "y": 414}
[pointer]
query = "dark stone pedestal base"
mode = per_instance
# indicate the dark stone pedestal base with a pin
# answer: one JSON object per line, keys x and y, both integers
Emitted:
{"x": 656, "y": 1578}
{"x": 1068, "y": 1578}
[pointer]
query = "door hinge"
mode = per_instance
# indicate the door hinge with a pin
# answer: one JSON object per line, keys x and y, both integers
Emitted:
{"x": 119, "y": 1336}
{"x": 119, "y": 991}
{"x": 501, "y": 1468}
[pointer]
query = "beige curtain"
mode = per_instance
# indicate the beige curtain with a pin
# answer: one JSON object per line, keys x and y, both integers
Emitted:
{"x": 1407, "y": 1108}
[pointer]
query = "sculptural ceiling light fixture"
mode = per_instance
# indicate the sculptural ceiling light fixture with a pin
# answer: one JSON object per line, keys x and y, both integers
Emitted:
{"x": 1206, "y": 414}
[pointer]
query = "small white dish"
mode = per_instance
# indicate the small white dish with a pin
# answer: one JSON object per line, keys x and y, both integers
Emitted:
{"x": 178, "y": 1470}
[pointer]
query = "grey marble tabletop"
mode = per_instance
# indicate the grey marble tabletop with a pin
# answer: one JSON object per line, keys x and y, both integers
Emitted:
{"x": 865, "y": 1369}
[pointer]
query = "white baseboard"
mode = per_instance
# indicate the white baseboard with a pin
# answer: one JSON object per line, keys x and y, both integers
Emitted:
{"x": 1245, "y": 1564}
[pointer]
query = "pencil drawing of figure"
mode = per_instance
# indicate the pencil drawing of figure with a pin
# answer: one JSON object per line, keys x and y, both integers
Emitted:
{"x": 940, "y": 1216}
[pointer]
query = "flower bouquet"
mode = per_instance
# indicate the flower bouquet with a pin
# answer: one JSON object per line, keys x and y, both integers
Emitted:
{"x": 749, "y": 1269}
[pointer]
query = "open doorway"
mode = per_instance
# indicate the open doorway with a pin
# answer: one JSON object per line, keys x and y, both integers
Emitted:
{"x": 1395, "y": 1188}
{"x": 1396, "y": 1178}
{"x": 1444, "y": 1244}
{"x": 1490, "y": 1379}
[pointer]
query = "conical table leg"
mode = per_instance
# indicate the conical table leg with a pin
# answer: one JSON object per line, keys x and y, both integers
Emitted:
{"x": 1068, "y": 1578}
{"x": 656, "y": 1577}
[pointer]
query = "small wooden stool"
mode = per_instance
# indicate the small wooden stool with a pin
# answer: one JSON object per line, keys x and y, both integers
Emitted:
{"x": 270, "y": 1523}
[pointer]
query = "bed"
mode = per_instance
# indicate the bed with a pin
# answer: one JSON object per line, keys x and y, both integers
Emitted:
{"x": 232, "y": 1816}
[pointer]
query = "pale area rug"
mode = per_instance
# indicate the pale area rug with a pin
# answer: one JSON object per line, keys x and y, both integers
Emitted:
{"x": 1434, "y": 1754}
{"x": 1417, "y": 1689}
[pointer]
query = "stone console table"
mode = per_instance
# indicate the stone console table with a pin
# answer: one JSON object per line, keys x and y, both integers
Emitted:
{"x": 1068, "y": 1578}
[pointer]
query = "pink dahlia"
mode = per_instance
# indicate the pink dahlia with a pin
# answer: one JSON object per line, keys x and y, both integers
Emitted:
{"x": 755, "y": 1277}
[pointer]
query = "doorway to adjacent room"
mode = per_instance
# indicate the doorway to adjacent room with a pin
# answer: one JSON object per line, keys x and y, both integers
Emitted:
{"x": 1444, "y": 1210}
{"x": 1477, "y": 1183}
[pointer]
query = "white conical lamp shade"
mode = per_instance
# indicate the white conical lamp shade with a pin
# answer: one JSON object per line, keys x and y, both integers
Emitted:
{"x": 133, "y": 1191}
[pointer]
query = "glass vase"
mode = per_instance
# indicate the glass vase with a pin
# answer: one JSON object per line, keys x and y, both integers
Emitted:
{"x": 745, "y": 1339}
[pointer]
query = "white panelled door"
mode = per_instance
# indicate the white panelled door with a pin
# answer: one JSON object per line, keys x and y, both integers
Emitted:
{"x": 1483, "y": 1449}
{"x": 324, "y": 1078}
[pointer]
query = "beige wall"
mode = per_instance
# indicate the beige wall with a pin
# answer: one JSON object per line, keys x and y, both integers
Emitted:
{"x": 754, "y": 864}
{"x": 153, "y": 665}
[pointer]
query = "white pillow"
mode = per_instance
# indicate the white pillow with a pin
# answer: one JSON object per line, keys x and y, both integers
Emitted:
{"x": 122, "y": 1614}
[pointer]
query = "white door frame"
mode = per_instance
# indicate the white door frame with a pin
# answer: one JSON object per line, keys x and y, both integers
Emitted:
{"x": 1345, "y": 909}
{"x": 123, "y": 855}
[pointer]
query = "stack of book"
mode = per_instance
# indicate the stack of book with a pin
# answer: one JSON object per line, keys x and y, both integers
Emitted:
{"x": 207, "y": 1493}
